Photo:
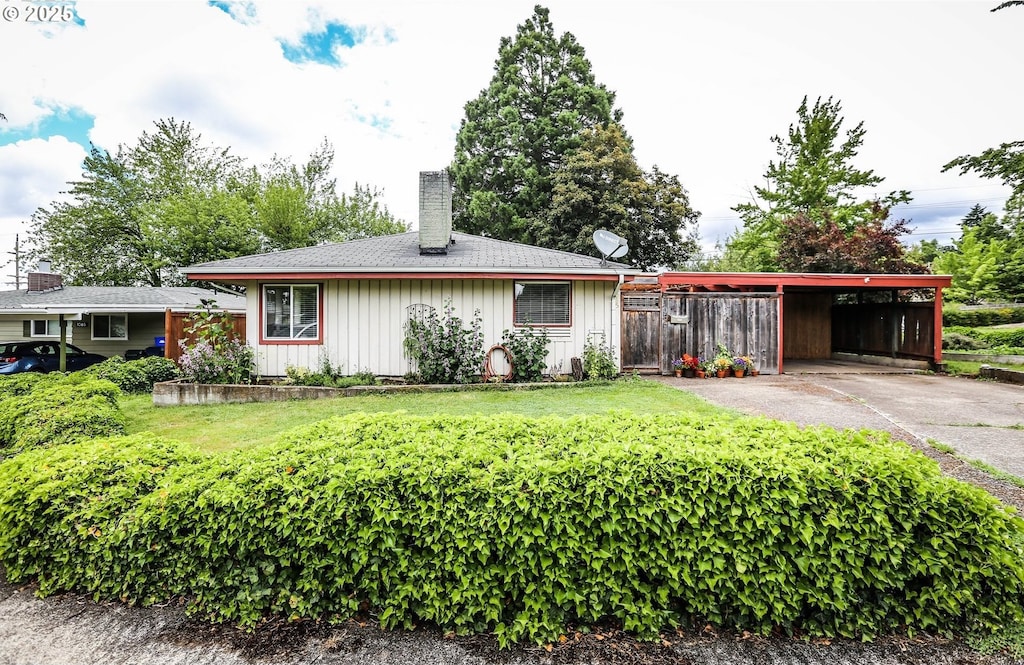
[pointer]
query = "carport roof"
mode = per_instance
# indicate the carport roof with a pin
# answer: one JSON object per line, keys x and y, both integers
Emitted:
{"x": 740, "y": 281}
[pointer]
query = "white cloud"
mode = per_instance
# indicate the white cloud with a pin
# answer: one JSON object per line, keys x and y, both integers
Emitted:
{"x": 703, "y": 85}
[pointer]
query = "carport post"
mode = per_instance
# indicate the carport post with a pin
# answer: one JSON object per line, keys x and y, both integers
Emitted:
{"x": 937, "y": 331}
{"x": 63, "y": 344}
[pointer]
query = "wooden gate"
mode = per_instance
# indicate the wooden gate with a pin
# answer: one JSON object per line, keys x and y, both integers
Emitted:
{"x": 641, "y": 332}
{"x": 657, "y": 327}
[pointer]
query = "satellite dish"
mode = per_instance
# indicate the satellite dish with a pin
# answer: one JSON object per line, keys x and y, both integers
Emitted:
{"x": 610, "y": 245}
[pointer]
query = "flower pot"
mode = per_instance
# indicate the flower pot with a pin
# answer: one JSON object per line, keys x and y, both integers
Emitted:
{"x": 688, "y": 373}
{"x": 755, "y": 372}
{"x": 701, "y": 374}
{"x": 721, "y": 373}
{"x": 738, "y": 373}
{"x": 679, "y": 373}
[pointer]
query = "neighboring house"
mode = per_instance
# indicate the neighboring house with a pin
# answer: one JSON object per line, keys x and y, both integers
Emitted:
{"x": 109, "y": 320}
{"x": 349, "y": 302}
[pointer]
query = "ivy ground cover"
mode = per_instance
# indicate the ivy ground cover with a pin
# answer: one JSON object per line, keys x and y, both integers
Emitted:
{"x": 521, "y": 525}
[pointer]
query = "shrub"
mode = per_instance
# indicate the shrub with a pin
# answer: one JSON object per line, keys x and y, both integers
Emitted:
{"x": 988, "y": 338}
{"x": 529, "y": 349}
{"x": 81, "y": 497}
{"x": 230, "y": 362}
{"x": 300, "y": 376}
{"x": 22, "y": 384}
{"x": 955, "y": 341}
{"x": 134, "y": 376}
{"x": 328, "y": 375}
{"x": 216, "y": 356}
{"x": 1013, "y": 337}
{"x": 445, "y": 350}
{"x": 599, "y": 361}
{"x": 989, "y": 316}
{"x": 519, "y": 526}
{"x": 58, "y": 410}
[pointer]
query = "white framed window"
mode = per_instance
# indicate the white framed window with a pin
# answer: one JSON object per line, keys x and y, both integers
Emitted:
{"x": 45, "y": 328}
{"x": 542, "y": 304}
{"x": 291, "y": 312}
{"x": 110, "y": 326}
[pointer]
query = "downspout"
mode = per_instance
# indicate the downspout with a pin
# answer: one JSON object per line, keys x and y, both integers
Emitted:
{"x": 611, "y": 314}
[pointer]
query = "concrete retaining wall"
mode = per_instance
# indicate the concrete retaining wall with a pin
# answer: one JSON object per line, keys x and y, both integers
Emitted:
{"x": 1005, "y": 375}
{"x": 182, "y": 393}
{"x": 983, "y": 358}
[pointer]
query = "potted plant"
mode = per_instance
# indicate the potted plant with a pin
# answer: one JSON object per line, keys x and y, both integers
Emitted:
{"x": 740, "y": 365}
{"x": 677, "y": 366}
{"x": 722, "y": 365}
{"x": 690, "y": 365}
{"x": 708, "y": 367}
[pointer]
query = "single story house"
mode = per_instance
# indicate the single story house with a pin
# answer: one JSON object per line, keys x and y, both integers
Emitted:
{"x": 349, "y": 302}
{"x": 108, "y": 320}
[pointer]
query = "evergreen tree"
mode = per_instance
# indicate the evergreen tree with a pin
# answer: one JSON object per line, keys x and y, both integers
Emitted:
{"x": 600, "y": 186}
{"x": 520, "y": 129}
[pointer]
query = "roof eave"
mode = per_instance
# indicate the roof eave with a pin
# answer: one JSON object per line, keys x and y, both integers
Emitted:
{"x": 489, "y": 272}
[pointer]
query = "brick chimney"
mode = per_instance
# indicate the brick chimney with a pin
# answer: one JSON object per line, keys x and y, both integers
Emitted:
{"x": 435, "y": 212}
{"x": 43, "y": 279}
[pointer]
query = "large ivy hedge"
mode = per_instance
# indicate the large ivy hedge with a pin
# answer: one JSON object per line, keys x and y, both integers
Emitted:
{"x": 520, "y": 526}
{"x": 56, "y": 408}
{"x": 134, "y": 376}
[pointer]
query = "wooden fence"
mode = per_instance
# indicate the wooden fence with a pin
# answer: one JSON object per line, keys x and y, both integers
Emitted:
{"x": 175, "y": 324}
{"x": 657, "y": 327}
{"x": 897, "y": 330}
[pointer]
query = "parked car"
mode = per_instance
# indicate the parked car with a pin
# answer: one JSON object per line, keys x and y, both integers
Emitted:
{"x": 37, "y": 356}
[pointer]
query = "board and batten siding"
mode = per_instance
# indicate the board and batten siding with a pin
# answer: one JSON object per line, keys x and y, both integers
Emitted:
{"x": 364, "y": 322}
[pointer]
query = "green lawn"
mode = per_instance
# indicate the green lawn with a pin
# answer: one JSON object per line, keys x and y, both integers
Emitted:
{"x": 229, "y": 426}
{"x": 968, "y": 368}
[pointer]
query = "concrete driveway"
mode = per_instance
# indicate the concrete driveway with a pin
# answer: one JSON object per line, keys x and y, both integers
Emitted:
{"x": 982, "y": 420}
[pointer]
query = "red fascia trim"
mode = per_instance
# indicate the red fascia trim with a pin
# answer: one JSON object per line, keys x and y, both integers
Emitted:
{"x": 713, "y": 280}
{"x": 296, "y": 342}
{"x": 320, "y": 276}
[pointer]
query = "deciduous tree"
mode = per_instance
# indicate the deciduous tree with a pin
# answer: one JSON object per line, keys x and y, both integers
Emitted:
{"x": 141, "y": 212}
{"x": 808, "y": 245}
{"x": 134, "y": 212}
{"x": 813, "y": 177}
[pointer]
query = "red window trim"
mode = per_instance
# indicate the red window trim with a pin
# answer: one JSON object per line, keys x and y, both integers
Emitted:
{"x": 273, "y": 341}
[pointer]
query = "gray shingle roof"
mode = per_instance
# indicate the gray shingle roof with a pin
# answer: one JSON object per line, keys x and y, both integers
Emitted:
{"x": 400, "y": 253}
{"x": 136, "y": 298}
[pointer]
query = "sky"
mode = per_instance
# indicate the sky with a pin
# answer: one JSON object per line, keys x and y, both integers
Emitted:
{"x": 703, "y": 86}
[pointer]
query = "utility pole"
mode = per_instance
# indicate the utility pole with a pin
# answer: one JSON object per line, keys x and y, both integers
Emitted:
{"x": 17, "y": 263}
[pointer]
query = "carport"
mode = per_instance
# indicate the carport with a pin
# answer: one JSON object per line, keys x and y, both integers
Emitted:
{"x": 776, "y": 317}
